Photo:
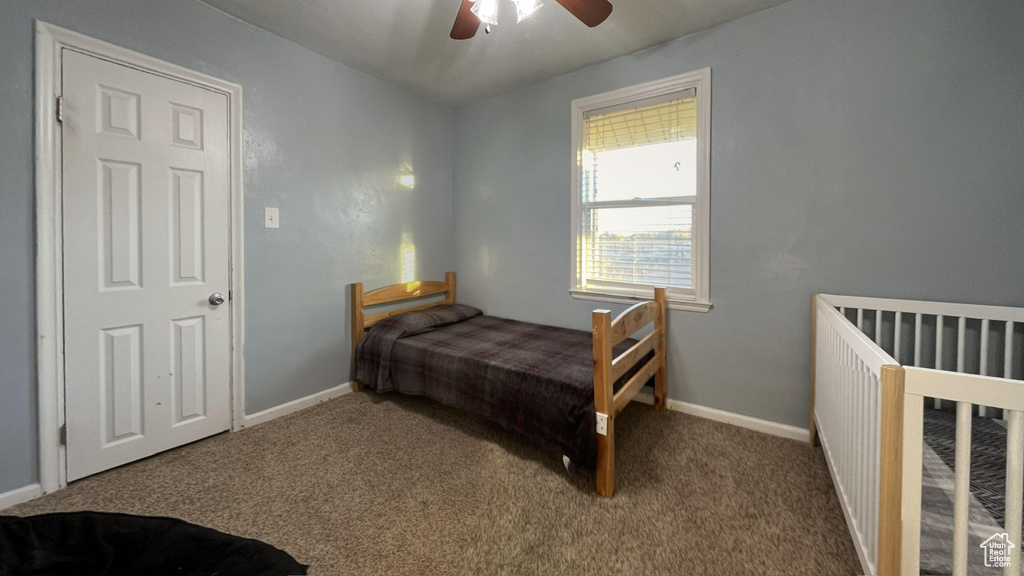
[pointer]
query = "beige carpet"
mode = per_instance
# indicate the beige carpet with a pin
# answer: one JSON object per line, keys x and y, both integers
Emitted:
{"x": 394, "y": 485}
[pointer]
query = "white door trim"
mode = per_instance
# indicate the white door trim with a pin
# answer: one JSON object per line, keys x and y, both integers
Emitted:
{"x": 50, "y": 40}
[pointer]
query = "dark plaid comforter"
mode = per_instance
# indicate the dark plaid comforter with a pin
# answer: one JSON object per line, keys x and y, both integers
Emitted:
{"x": 536, "y": 381}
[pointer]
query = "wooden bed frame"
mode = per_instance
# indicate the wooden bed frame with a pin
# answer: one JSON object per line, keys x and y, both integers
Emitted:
{"x": 607, "y": 369}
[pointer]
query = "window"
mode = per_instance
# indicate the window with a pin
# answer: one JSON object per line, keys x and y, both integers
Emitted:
{"x": 641, "y": 192}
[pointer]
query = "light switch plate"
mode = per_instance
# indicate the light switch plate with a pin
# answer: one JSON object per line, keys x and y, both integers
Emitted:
{"x": 270, "y": 218}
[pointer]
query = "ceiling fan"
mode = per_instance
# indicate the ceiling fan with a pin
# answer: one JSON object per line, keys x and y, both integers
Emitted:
{"x": 474, "y": 12}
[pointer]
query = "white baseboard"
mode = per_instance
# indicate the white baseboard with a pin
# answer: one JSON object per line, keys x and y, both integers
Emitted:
{"x": 295, "y": 405}
{"x": 14, "y": 497}
{"x": 748, "y": 422}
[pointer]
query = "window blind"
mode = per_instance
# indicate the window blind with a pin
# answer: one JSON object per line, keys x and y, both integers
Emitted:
{"x": 647, "y": 246}
{"x": 643, "y": 123}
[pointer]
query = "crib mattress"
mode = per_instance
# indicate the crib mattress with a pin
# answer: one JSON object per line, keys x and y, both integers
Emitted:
{"x": 988, "y": 490}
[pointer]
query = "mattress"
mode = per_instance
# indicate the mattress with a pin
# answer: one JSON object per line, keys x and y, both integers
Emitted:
{"x": 988, "y": 490}
{"x": 533, "y": 380}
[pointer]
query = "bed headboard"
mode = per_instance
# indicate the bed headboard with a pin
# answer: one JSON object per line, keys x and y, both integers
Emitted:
{"x": 395, "y": 293}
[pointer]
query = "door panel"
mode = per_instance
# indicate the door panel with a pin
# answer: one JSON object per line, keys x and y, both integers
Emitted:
{"x": 121, "y": 374}
{"x": 146, "y": 242}
{"x": 188, "y": 343}
{"x": 186, "y": 207}
{"x": 120, "y": 225}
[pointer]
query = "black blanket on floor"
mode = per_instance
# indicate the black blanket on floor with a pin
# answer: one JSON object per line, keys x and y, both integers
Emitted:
{"x": 99, "y": 544}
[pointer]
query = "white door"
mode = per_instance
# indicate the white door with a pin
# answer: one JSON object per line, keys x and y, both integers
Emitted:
{"x": 146, "y": 244}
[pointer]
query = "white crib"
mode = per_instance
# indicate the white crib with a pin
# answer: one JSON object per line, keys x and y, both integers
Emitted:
{"x": 868, "y": 397}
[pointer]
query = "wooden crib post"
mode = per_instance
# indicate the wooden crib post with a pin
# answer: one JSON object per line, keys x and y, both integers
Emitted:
{"x": 660, "y": 377}
{"x": 890, "y": 498}
{"x": 358, "y": 326}
{"x": 812, "y": 427}
{"x": 603, "y": 402}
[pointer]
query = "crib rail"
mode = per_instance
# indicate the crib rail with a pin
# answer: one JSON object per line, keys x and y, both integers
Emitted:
{"x": 966, "y": 390}
{"x": 964, "y": 338}
{"x": 848, "y": 371}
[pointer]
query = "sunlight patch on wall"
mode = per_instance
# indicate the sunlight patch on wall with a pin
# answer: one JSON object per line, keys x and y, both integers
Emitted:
{"x": 406, "y": 178}
{"x": 407, "y": 259}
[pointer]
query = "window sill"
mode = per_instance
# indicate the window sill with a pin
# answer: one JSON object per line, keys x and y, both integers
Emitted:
{"x": 689, "y": 305}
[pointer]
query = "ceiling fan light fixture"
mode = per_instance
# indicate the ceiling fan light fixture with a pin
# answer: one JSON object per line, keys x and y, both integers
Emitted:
{"x": 486, "y": 11}
{"x": 526, "y": 8}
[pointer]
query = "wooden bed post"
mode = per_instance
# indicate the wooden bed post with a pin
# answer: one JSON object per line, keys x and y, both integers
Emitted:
{"x": 358, "y": 328}
{"x": 890, "y": 498}
{"x": 449, "y": 278}
{"x": 661, "y": 377}
{"x": 603, "y": 402}
{"x": 812, "y": 426}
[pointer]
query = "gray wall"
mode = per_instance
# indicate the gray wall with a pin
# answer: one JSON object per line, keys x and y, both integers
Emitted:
{"x": 322, "y": 142}
{"x": 870, "y": 148}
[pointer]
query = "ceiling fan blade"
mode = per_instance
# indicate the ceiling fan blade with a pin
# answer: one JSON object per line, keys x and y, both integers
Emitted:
{"x": 466, "y": 23}
{"x": 590, "y": 12}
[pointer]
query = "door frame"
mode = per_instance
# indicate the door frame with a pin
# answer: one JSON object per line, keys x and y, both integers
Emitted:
{"x": 50, "y": 40}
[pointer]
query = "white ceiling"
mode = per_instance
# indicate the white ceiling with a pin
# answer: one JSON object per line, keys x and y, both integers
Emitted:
{"x": 406, "y": 43}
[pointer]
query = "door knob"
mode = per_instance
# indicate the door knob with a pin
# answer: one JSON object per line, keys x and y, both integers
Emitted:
{"x": 216, "y": 299}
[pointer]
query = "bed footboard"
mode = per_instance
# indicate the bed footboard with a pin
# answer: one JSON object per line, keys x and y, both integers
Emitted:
{"x": 608, "y": 369}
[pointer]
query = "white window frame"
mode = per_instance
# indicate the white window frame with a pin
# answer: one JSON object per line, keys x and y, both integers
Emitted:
{"x": 699, "y": 299}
